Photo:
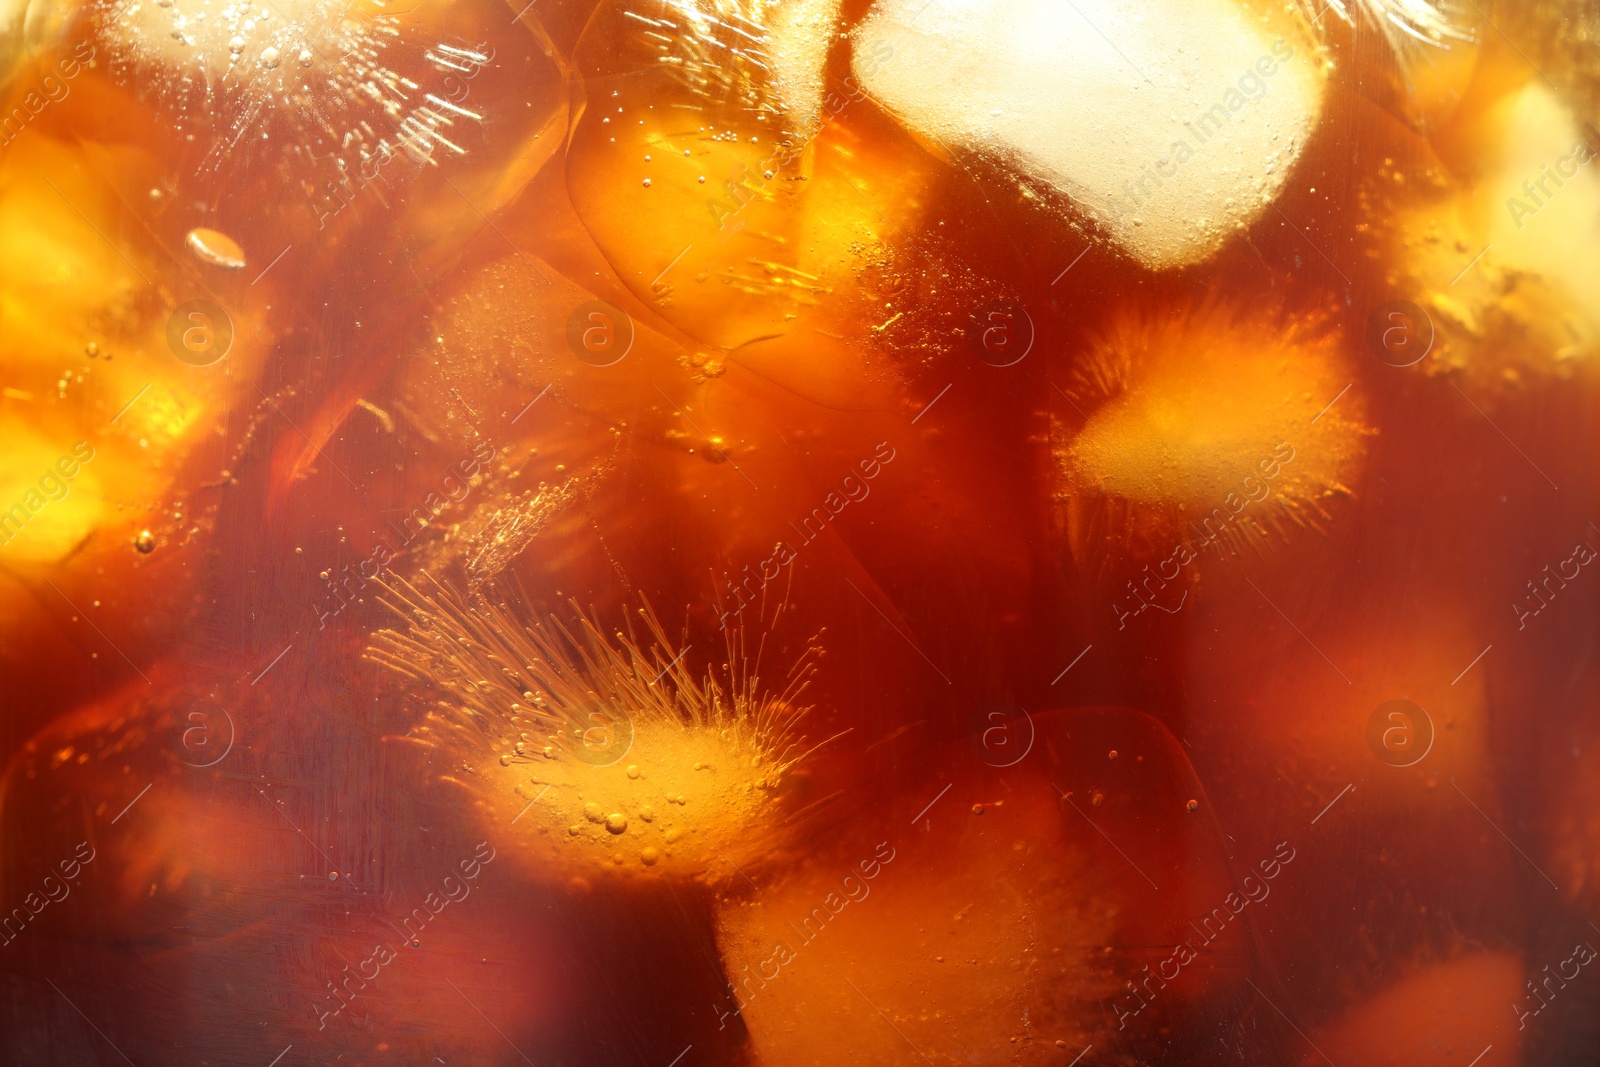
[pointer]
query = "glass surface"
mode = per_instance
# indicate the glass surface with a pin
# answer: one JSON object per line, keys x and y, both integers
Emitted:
{"x": 790, "y": 532}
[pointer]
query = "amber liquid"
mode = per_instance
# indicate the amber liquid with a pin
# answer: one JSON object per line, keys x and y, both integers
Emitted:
{"x": 529, "y": 545}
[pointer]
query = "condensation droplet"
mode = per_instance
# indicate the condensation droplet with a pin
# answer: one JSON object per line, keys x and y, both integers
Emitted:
{"x": 594, "y": 812}
{"x": 616, "y": 822}
{"x": 650, "y": 857}
{"x": 145, "y": 542}
{"x": 304, "y": 57}
{"x": 633, "y": 770}
{"x": 269, "y": 57}
{"x": 1193, "y": 805}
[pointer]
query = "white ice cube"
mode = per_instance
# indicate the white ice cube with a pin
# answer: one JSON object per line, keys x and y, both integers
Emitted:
{"x": 1172, "y": 122}
{"x": 798, "y": 33}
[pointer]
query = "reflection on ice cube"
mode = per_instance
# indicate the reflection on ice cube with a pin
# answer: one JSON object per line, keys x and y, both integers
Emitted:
{"x": 1171, "y": 124}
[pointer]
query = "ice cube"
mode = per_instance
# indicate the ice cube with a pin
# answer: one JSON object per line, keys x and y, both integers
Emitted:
{"x": 1172, "y": 124}
{"x": 1507, "y": 259}
{"x": 1436, "y": 1014}
{"x": 1040, "y": 902}
{"x": 798, "y": 32}
{"x": 694, "y": 167}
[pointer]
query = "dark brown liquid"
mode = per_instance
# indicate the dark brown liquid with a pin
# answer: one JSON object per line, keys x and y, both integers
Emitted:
{"x": 853, "y": 615}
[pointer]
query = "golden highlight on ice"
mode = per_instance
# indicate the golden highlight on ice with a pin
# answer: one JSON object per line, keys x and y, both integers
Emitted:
{"x": 1198, "y": 416}
{"x": 607, "y": 752}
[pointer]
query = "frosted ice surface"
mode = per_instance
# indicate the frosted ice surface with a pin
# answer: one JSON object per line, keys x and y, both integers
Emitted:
{"x": 768, "y": 55}
{"x": 1544, "y": 209}
{"x": 1404, "y": 24}
{"x": 1172, "y": 122}
{"x": 797, "y": 39}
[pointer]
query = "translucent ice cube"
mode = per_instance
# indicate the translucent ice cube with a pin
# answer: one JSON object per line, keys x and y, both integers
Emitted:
{"x": 1171, "y": 123}
{"x": 798, "y": 35}
{"x": 1507, "y": 257}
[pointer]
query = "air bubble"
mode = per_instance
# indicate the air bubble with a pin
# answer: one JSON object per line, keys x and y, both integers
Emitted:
{"x": 216, "y": 248}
